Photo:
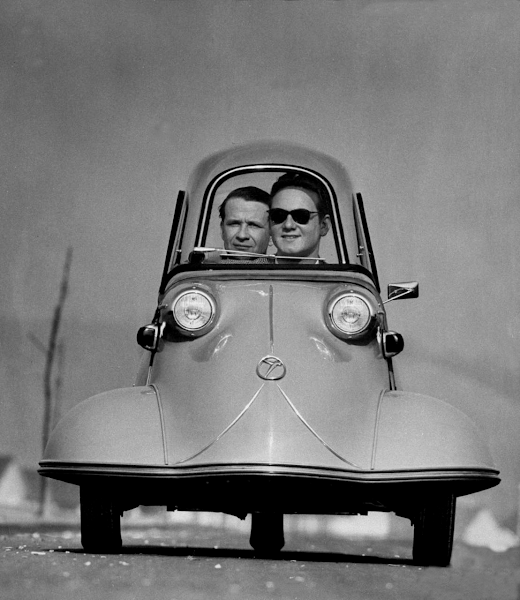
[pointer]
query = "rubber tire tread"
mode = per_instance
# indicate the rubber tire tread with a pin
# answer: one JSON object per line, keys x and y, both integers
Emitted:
{"x": 434, "y": 525}
{"x": 267, "y": 534}
{"x": 100, "y": 522}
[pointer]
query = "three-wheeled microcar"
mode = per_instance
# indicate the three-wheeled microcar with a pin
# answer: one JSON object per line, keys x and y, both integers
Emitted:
{"x": 268, "y": 388}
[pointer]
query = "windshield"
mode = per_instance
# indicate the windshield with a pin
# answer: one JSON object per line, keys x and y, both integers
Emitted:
{"x": 263, "y": 177}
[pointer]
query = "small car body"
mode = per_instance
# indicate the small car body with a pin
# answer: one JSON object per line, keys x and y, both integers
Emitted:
{"x": 268, "y": 389}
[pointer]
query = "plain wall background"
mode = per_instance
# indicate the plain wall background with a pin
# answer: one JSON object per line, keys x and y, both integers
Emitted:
{"x": 107, "y": 106}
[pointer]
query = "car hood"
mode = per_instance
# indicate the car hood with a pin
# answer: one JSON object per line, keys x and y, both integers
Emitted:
{"x": 220, "y": 404}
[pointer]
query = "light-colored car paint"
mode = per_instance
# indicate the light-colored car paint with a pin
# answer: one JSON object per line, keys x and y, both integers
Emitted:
{"x": 201, "y": 408}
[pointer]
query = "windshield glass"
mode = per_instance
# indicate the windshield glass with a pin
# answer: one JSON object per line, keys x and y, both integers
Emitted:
{"x": 210, "y": 232}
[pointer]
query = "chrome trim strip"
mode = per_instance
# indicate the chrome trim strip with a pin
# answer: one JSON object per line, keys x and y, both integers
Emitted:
{"x": 163, "y": 426}
{"x": 376, "y": 430}
{"x": 297, "y": 413}
{"x": 271, "y": 317}
{"x": 216, "y": 470}
{"x": 244, "y": 410}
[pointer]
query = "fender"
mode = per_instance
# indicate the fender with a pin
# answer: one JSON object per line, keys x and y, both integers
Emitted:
{"x": 121, "y": 426}
{"x": 414, "y": 431}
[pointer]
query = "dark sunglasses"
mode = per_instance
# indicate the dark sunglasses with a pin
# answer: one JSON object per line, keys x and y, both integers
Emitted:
{"x": 300, "y": 215}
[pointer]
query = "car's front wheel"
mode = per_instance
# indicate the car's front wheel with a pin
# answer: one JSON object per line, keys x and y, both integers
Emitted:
{"x": 267, "y": 535}
{"x": 434, "y": 524}
{"x": 100, "y": 521}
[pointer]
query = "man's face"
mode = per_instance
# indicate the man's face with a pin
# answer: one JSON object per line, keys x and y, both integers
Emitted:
{"x": 296, "y": 239}
{"x": 245, "y": 226}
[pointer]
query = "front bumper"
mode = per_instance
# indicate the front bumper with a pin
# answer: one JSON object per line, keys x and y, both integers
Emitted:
{"x": 245, "y": 488}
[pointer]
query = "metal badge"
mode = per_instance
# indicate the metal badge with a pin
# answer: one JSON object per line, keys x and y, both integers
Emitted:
{"x": 271, "y": 368}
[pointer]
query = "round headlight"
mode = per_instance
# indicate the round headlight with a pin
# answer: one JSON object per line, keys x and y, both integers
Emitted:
{"x": 193, "y": 310}
{"x": 351, "y": 314}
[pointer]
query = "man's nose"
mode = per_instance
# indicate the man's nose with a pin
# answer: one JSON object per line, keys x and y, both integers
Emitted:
{"x": 243, "y": 232}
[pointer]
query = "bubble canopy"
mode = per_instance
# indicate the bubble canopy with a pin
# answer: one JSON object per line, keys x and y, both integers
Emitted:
{"x": 260, "y": 164}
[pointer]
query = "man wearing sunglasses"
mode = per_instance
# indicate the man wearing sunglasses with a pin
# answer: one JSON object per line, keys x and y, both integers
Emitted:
{"x": 298, "y": 217}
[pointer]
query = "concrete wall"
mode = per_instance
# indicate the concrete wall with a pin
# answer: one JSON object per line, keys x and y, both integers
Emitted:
{"x": 106, "y": 106}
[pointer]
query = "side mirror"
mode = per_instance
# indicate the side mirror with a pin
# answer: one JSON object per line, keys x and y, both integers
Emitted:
{"x": 398, "y": 291}
{"x": 392, "y": 343}
{"x": 148, "y": 337}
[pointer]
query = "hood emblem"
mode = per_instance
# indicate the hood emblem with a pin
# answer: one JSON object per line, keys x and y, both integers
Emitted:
{"x": 271, "y": 368}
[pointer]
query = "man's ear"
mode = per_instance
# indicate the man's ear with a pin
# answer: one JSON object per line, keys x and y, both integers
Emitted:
{"x": 324, "y": 225}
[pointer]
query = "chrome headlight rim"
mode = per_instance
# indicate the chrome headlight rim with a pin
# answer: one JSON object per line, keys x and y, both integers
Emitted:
{"x": 369, "y": 321}
{"x": 204, "y": 327}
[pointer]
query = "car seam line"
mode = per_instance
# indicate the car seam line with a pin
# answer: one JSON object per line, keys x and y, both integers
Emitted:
{"x": 237, "y": 418}
{"x": 314, "y": 433}
{"x": 161, "y": 419}
{"x": 376, "y": 429}
{"x": 271, "y": 317}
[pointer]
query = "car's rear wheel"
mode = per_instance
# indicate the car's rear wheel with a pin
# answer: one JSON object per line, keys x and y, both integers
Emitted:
{"x": 100, "y": 521}
{"x": 434, "y": 524}
{"x": 267, "y": 535}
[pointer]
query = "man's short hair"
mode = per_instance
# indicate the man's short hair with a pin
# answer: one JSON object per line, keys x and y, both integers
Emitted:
{"x": 249, "y": 193}
{"x": 305, "y": 182}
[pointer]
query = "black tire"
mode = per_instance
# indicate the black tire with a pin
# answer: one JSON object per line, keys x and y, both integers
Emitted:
{"x": 267, "y": 535}
{"x": 433, "y": 531}
{"x": 100, "y": 522}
